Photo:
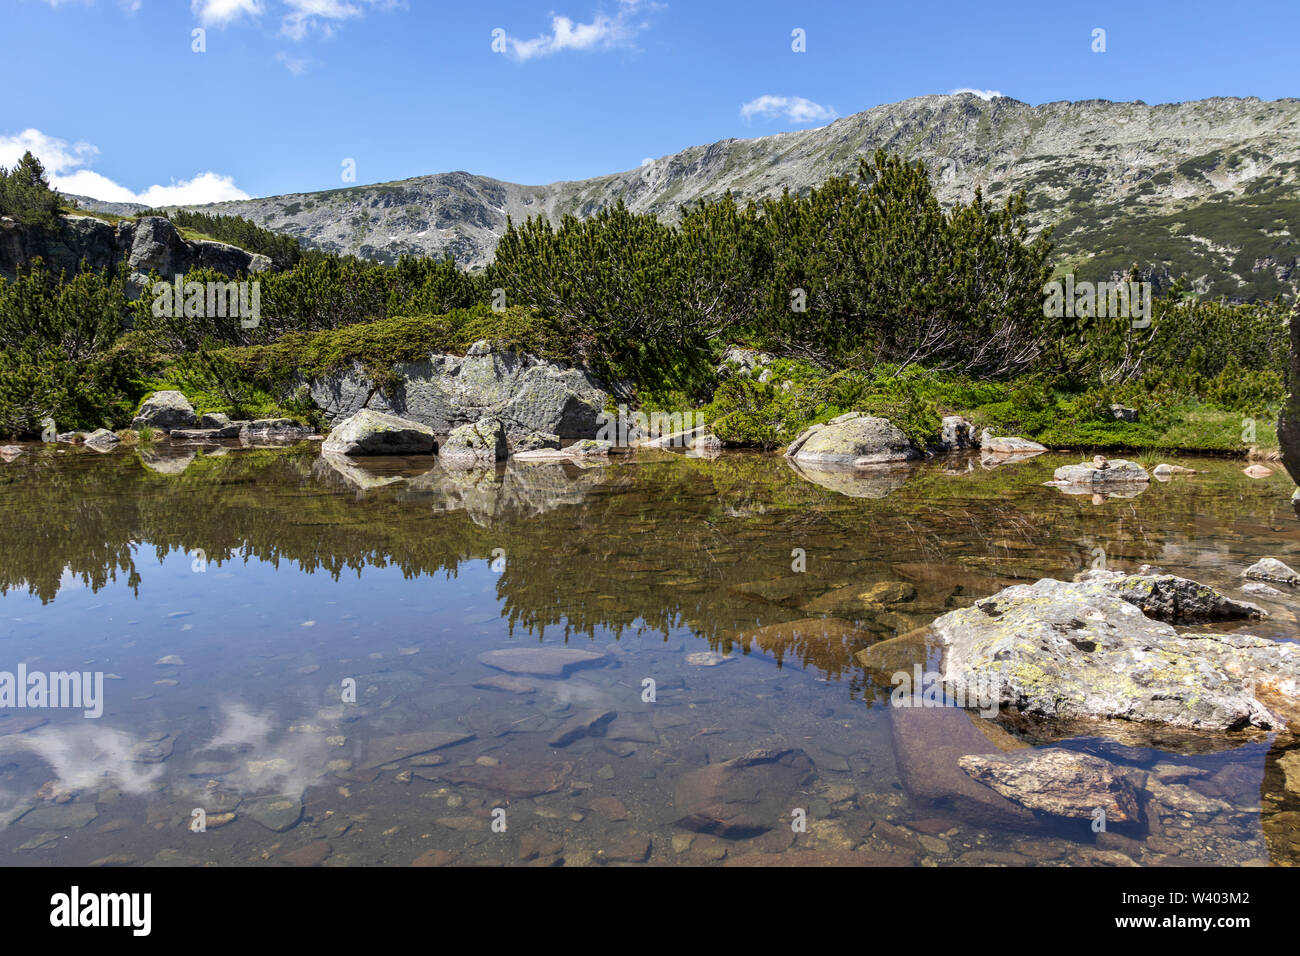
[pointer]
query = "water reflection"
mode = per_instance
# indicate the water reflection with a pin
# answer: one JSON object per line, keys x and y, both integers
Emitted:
{"x": 274, "y": 576}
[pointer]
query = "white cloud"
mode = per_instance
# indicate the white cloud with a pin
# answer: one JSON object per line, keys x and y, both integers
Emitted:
{"x": 604, "y": 32}
{"x": 66, "y": 166}
{"x": 293, "y": 64}
{"x": 221, "y": 12}
{"x": 304, "y": 16}
{"x": 982, "y": 94}
{"x": 794, "y": 108}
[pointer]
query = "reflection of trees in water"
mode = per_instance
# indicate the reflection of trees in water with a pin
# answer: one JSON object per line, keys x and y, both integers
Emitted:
{"x": 658, "y": 543}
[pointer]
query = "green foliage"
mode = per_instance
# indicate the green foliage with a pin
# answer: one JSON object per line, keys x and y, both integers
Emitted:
{"x": 25, "y": 194}
{"x": 60, "y": 352}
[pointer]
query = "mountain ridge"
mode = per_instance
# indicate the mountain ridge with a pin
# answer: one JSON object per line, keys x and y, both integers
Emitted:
{"x": 1206, "y": 188}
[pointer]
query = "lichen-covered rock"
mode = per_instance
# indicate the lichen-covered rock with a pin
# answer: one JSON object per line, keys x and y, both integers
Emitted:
{"x": 854, "y": 440}
{"x": 526, "y": 393}
{"x": 165, "y": 410}
{"x": 1060, "y": 782}
{"x": 1117, "y": 471}
{"x": 1076, "y": 651}
{"x": 589, "y": 448}
{"x": 535, "y": 441}
{"x": 1168, "y": 597}
{"x": 1271, "y": 569}
{"x": 374, "y": 433}
{"x": 479, "y": 443}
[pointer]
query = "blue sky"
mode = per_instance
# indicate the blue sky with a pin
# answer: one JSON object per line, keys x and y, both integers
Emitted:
{"x": 118, "y": 105}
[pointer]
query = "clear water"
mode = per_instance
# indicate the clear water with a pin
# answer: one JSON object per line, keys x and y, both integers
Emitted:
{"x": 227, "y": 594}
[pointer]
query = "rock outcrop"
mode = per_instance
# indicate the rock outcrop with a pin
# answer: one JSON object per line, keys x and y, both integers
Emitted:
{"x": 148, "y": 244}
{"x": 527, "y": 394}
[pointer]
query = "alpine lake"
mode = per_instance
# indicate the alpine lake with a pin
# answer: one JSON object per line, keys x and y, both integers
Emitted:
{"x": 312, "y": 661}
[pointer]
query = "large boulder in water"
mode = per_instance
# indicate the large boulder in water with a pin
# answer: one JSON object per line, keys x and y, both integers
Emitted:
{"x": 853, "y": 439}
{"x": 1077, "y": 651}
{"x": 374, "y": 433}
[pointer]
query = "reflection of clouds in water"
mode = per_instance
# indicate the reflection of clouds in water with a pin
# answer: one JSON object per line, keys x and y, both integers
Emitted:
{"x": 92, "y": 757}
{"x": 287, "y": 765}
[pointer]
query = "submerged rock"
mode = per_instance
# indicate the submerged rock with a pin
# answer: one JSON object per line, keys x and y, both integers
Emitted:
{"x": 854, "y": 440}
{"x": 1164, "y": 471}
{"x": 165, "y": 410}
{"x": 541, "y": 661}
{"x": 374, "y": 433}
{"x": 742, "y": 797}
{"x": 1077, "y": 651}
{"x": 929, "y": 742}
{"x": 278, "y": 812}
{"x": 10, "y": 452}
{"x": 1271, "y": 569}
{"x": 1062, "y": 783}
{"x": 1168, "y": 597}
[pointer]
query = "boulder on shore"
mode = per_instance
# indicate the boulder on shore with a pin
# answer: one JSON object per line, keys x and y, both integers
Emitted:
{"x": 853, "y": 440}
{"x": 165, "y": 410}
{"x": 1008, "y": 445}
{"x": 374, "y": 433}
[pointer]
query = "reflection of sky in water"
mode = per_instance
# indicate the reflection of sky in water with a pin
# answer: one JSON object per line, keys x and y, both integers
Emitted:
{"x": 255, "y": 708}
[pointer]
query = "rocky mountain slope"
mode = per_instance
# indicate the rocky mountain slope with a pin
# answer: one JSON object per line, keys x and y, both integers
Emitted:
{"x": 1208, "y": 188}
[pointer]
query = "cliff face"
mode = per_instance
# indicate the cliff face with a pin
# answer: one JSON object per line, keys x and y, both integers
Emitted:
{"x": 151, "y": 243}
{"x": 1205, "y": 188}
